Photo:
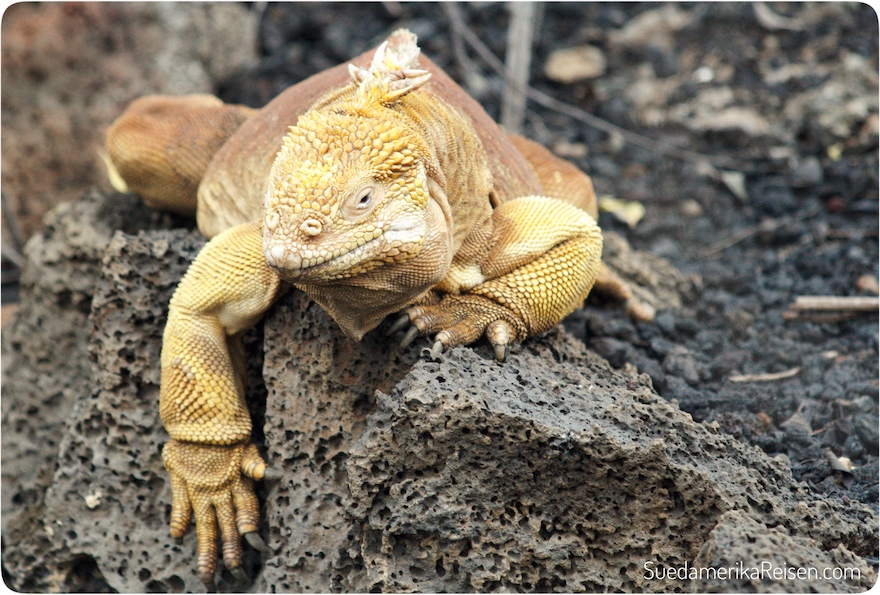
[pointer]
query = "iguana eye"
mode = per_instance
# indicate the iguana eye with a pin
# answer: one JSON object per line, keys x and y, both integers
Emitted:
{"x": 363, "y": 202}
{"x": 364, "y": 199}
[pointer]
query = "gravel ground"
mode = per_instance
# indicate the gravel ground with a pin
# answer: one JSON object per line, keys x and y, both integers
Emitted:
{"x": 782, "y": 101}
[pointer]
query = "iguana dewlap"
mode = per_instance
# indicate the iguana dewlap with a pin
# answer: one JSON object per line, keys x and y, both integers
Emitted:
{"x": 373, "y": 188}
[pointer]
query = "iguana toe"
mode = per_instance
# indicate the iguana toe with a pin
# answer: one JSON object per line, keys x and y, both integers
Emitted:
{"x": 500, "y": 335}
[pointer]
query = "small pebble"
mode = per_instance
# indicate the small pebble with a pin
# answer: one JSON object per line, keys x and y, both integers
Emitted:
{"x": 691, "y": 208}
{"x": 575, "y": 64}
{"x": 569, "y": 150}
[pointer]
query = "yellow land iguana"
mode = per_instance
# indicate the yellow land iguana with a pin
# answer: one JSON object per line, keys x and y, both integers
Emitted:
{"x": 393, "y": 190}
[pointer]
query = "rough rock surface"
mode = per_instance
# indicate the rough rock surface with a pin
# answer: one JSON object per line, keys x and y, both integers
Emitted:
{"x": 73, "y": 68}
{"x": 51, "y": 328}
{"x": 551, "y": 472}
{"x": 769, "y": 560}
{"x": 51, "y": 395}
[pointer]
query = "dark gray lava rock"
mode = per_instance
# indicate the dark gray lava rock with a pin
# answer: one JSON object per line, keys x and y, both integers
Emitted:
{"x": 551, "y": 472}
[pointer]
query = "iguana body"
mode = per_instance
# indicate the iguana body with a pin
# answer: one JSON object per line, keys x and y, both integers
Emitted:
{"x": 372, "y": 189}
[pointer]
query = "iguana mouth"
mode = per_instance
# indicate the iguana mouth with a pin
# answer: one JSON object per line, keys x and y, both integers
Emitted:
{"x": 340, "y": 263}
{"x": 293, "y": 266}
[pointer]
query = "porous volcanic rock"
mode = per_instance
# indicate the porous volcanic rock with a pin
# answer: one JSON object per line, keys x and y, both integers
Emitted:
{"x": 551, "y": 472}
{"x": 45, "y": 347}
{"x": 758, "y": 559}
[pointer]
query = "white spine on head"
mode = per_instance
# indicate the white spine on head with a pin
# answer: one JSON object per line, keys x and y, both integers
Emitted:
{"x": 393, "y": 72}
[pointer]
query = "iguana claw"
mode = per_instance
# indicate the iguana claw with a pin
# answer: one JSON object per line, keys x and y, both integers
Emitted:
{"x": 501, "y": 352}
{"x": 272, "y": 475}
{"x": 499, "y": 334}
{"x": 409, "y": 337}
{"x": 256, "y": 542}
{"x": 239, "y": 574}
{"x": 398, "y": 325}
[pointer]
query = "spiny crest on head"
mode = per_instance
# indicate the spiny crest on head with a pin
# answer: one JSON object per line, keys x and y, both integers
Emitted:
{"x": 394, "y": 71}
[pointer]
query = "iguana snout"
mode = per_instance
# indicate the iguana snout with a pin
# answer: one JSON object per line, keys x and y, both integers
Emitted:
{"x": 310, "y": 247}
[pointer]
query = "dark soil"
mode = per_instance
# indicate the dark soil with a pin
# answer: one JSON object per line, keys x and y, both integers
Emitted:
{"x": 808, "y": 225}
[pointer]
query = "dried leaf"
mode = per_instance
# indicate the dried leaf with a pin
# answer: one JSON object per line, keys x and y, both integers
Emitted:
{"x": 835, "y": 152}
{"x": 736, "y": 183}
{"x": 797, "y": 422}
{"x": 868, "y": 283}
{"x": 838, "y": 463}
{"x": 628, "y": 211}
{"x": 576, "y": 64}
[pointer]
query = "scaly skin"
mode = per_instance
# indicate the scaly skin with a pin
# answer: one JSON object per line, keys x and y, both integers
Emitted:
{"x": 389, "y": 193}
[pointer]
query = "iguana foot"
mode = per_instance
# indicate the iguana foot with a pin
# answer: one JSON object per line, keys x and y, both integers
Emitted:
{"x": 215, "y": 484}
{"x": 644, "y": 282}
{"x": 461, "y": 320}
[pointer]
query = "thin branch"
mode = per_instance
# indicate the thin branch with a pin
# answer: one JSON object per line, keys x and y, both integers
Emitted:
{"x": 520, "y": 34}
{"x": 825, "y": 303}
{"x": 453, "y": 12}
{"x": 821, "y": 317}
{"x": 766, "y": 226}
{"x": 765, "y": 377}
{"x": 11, "y": 254}
{"x": 846, "y": 234}
{"x": 474, "y": 81}
{"x": 733, "y": 240}
{"x": 12, "y": 223}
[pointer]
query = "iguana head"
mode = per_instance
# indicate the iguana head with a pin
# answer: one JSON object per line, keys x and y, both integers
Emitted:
{"x": 348, "y": 191}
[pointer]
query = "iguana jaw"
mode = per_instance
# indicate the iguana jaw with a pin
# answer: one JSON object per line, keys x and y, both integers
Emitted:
{"x": 298, "y": 262}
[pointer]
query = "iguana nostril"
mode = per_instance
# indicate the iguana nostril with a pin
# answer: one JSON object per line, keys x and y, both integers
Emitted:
{"x": 272, "y": 220}
{"x": 311, "y": 227}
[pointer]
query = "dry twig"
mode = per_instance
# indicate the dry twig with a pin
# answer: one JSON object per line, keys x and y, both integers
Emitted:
{"x": 821, "y": 317}
{"x": 826, "y": 303}
{"x": 766, "y": 226}
{"x": 846, "y": 234}
{"x": 830, "y": 309}
{"x": 12, "y": 223}
{"x": 765, "y": 377}
{"x": 11, "y": 254}
{"x": 520, "y": 33}
{"x": 736, "y": 238}
{"x": 456, "y": 19}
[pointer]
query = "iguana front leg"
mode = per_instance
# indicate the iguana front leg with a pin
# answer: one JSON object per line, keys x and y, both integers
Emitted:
{"x": 532, "y": 266}
{"x": 210, "y": 457}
